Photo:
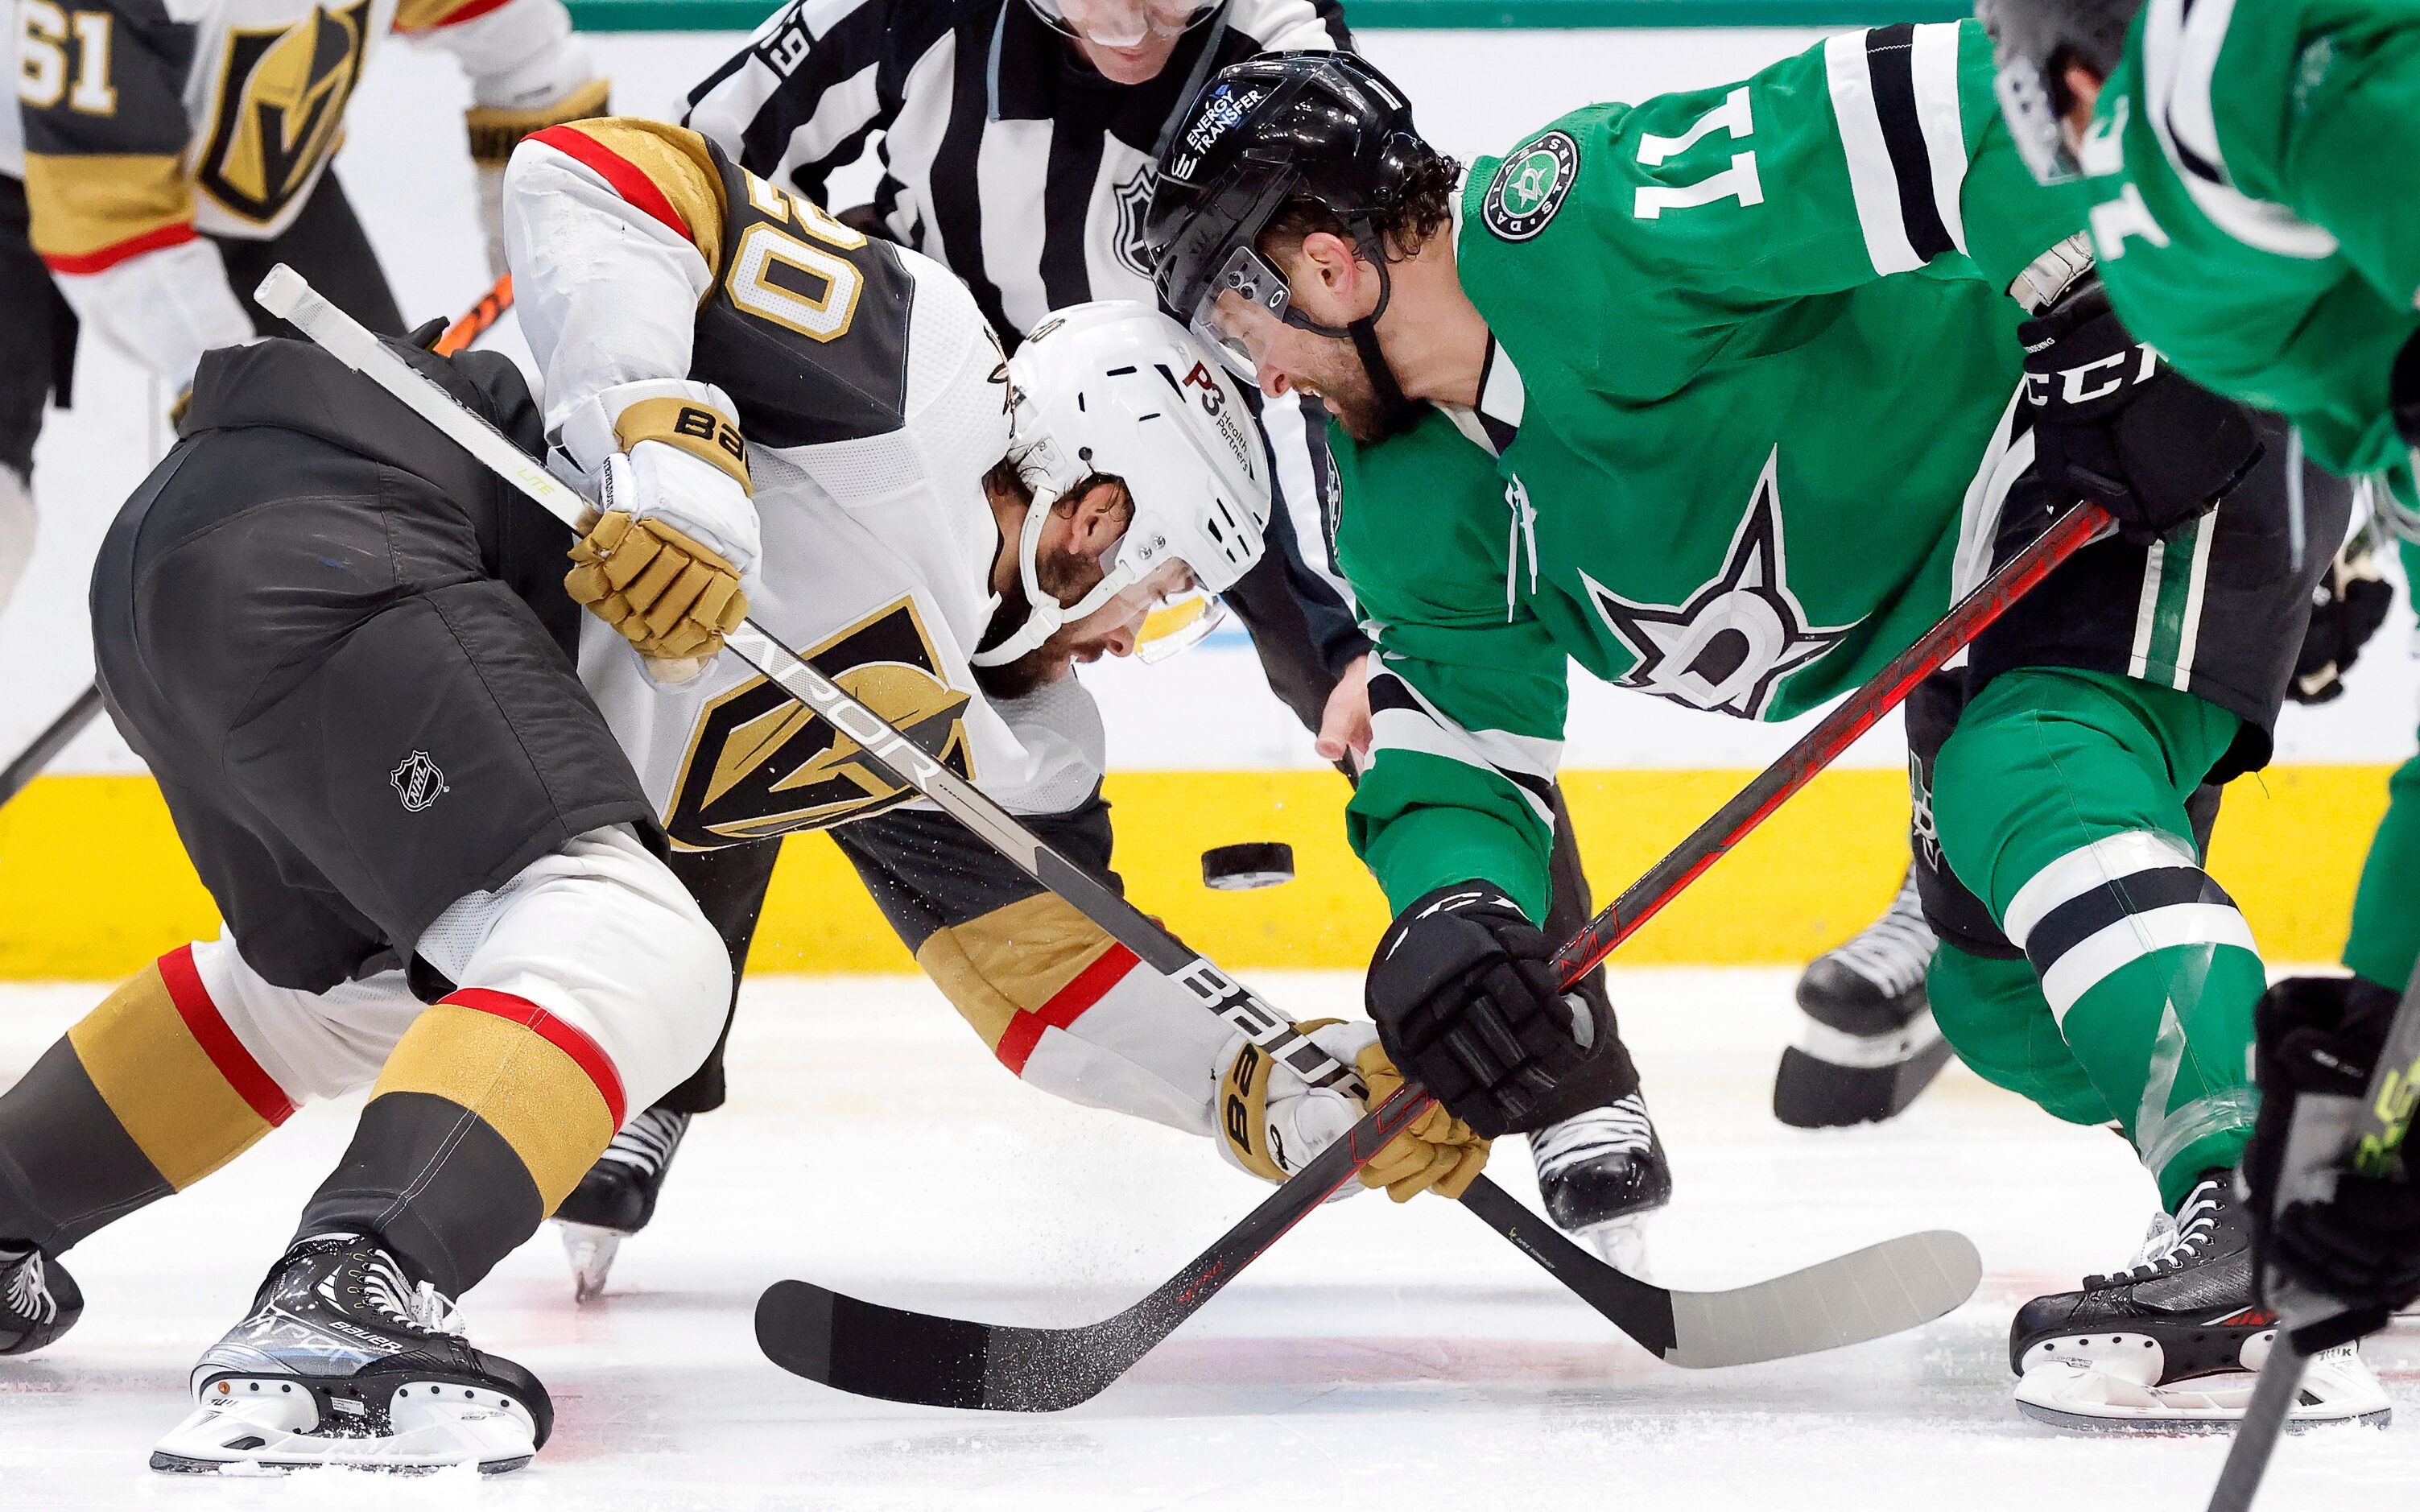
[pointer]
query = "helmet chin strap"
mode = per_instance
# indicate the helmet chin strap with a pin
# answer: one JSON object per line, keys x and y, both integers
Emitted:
{"x": 1045, "y": 614}
{"x": 1397, "y": 413}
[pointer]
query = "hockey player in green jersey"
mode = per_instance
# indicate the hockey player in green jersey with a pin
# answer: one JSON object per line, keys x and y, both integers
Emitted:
{"x": 1726, "y": 396}
{"x": 2252, "y": 172}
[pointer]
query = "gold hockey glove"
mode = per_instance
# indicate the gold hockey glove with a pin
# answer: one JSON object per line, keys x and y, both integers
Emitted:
{"x": 671, "y": 596}
{"x": 496, "y": 130}
{"x": 1439, "y": 1152}
{"x": 1270, "y": 1122}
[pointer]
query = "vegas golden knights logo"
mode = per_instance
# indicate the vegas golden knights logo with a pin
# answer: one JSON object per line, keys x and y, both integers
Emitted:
{"x": 282, "y": 98}
{"x": 762, "y": 764}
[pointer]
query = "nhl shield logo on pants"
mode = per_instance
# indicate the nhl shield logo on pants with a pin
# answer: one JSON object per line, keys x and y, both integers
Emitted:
{"x": 418, "y": 781}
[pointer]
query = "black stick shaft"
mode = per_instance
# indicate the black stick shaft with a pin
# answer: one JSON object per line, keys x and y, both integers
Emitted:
{"x": 2264, "y": 1420}
{"x": 48, "y": 744}
{"x": 1820, "y": 746}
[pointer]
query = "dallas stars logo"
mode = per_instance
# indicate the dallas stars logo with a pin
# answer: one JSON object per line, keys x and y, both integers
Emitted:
{"x": 1737, "y": 637}
{"x": 1530, "y": 185}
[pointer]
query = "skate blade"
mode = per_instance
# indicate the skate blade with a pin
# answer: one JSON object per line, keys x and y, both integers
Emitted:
{"x": 1812, "y": 1090}
{"x": 2076, "y": 1399}
{"x": 432, "y": 1427}
{"x": 591, "y": 1251}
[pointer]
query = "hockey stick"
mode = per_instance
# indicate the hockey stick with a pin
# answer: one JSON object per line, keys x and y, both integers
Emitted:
{"x": 478, "y": 319}
{"x": 888, "y": 1352}
{"x": 2377, "y": 1140}
{"x": 1927, "y": 1274}
{"x": 2073, "y": 530}
{"x": 54, "y": 738}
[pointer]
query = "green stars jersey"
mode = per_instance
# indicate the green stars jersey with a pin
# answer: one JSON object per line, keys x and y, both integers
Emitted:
{"x": 1747, "y": 426}
{"x": 2252, "y": 172}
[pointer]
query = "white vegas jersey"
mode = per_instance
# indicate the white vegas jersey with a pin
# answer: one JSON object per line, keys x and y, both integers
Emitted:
{"x": 873, "y": 396}
{"x": 148, "y": 120}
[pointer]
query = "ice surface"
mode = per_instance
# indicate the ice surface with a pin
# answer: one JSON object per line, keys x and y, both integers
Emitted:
{"x": 1376, "y": 1356}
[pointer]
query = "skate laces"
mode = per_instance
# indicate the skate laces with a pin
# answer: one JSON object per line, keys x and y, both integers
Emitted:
{"x": 647, "y": 1142}
{"x": 386, "y": 1292}
{"x": 2172, "y": 1243}
{"x": 1620, "y": 1127}
{"x": 1894, "y": 950}
{"x": 29, "y": 1289}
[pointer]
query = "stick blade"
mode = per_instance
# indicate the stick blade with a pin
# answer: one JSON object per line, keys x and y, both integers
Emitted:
{"x": 868, "y": 1349}
{"x": 1867, "y": 1294}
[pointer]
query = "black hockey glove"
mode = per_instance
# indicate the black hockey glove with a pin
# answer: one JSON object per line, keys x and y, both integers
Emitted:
{"x": 2347, "y": 608}
{"x": 1467, "y": 1007}
{"x": 2358, "y": 1245}
{"x": 2115, "y": 424}
{"x": 2403, "y": 391}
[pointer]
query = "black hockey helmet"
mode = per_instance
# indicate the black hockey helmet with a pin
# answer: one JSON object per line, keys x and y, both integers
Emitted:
{"x": 2034, "y": 41}
{"x": 1321, "y": 125}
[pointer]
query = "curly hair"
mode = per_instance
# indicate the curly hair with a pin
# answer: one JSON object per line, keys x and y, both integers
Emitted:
{"x": 1425, "y": 207}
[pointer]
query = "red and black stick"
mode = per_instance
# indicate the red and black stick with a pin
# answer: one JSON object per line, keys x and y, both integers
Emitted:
{"x": 1820, "y": 746}
{"x": 876, "y": 1350}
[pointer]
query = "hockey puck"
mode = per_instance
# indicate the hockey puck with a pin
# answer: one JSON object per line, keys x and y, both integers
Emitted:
{"x": 1235, "y": 869}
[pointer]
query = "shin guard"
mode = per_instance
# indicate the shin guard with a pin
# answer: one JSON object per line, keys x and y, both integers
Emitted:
{"x": 486, "y": 1116}
{"x": 146, "y": 1095}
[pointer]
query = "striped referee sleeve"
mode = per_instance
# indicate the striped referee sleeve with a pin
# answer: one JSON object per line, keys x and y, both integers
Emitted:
{"x": 801, "y": 97}
{"x": 1895, "y": 95}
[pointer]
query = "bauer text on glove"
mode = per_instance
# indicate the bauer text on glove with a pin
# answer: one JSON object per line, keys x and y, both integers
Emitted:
{"x": 676, "y": 531}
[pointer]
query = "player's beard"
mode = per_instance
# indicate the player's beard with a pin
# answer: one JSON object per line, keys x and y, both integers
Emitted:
{"x": 1063, "y": 576}
{"x": 1346, "y": 386}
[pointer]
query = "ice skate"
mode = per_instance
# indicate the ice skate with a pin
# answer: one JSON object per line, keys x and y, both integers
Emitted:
{"x": 1868, "y": 1044}
{"x": 2175, "y": 1344}
{"x": 617, "y": 1196}
{"x": 344, "y": 1361}
{"x": 1600, "y": 1175}
{"x": 39, "y": 1299}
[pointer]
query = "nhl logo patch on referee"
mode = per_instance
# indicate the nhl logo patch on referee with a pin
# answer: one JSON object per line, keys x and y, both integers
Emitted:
{"x": 418, "y": 781}
{"x": 1530, "y": 185}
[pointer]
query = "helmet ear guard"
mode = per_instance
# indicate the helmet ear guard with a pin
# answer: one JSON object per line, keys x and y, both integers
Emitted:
{"x": 1116, "y": 390}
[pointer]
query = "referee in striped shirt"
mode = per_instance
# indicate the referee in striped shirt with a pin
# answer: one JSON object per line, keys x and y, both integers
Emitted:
{"x": 1017, "y": 141}
{"x": 1017, "y": 145}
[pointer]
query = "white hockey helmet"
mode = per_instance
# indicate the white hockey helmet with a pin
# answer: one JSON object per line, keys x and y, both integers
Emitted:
{"x": 1115, "y": 388}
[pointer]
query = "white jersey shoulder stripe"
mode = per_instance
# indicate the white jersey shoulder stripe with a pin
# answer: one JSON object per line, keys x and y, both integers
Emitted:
{"x": 1894, "y": 92}
{"x": 1941, "y": 118}
{"x": 1402, "y": 719}
{"x": 1872, "y": 181}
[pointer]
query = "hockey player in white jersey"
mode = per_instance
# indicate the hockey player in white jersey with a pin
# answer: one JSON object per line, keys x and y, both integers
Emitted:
{"x": 347, "y": 651}
{"x": 942, "y": 532}
{"x": 167, "y": 139}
